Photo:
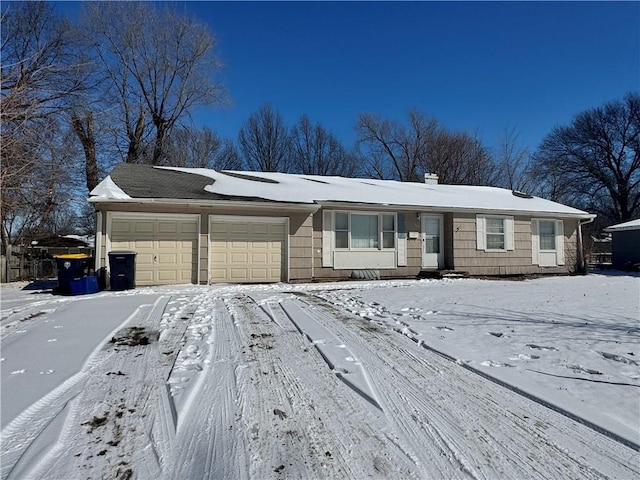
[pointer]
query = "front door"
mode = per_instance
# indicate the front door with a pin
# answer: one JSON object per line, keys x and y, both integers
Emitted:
{"x": 432, "y": 251}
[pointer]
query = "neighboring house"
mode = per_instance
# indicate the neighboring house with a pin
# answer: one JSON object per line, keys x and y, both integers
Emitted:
{"x": 204, "y": 226}
{"x": 625, "y": 244}
{"x": 59, "y": 245}
{"x": 36, "y": 260}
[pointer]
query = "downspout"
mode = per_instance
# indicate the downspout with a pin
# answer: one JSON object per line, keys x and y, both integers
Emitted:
{"x": 583, "y": 261}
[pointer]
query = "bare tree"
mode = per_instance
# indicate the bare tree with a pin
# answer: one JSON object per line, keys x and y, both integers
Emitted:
{"x": 315, "y": 151}
{"x": 513, "y": 165}
{"x": 83, "y": 128}
{"x": 40, "y": 71}
{"x": 597, "y": 160}
{"x": 264, "y": 141}
{"x": 200, "y": 148}
{"x": 159, "y": 66}
{"x": 33, "y": 203}
{"x": 406, "y": 151}
{"x": 458, "y": 159}
{"x": 395, "y": 150}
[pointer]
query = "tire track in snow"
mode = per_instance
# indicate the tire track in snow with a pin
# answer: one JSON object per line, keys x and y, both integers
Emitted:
{"x": 111, "y": 421}
{"x": 370, "y": 311}
{"x": 432, "y": 455}
{"x": 286, "y": 431}
{"x": 215, "y": 448}
{"x": 328, "y": 432}
{"x": 502, "y": 435}
{"x": 24, "y": 430}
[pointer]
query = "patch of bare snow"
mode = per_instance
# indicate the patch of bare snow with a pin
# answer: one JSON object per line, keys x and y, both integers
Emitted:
{"x": 550, "y": 330}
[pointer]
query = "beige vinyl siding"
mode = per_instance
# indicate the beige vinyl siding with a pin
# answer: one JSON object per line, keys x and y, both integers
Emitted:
{"x": 514, "y": 262}
{"x": 300, "y": 248}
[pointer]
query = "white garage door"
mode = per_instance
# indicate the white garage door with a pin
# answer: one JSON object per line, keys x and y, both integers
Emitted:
{"x": 167, "y": 248}
{"x": 245, "y": 251}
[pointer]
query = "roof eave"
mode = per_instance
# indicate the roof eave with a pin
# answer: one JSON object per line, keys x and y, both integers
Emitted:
{"x": 624, "y": 229}
{"x": 313, "y": 207}
{"x": 259, "y": 205}
{"x": 441, "y": 209}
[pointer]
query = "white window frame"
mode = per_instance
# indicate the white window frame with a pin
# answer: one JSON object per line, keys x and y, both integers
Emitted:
{"x": 508, "y": 232}
{"x": 381, "y": 230}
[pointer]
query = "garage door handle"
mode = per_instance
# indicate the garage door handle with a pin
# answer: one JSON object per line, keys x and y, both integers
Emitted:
{"x": 155, "y": 258}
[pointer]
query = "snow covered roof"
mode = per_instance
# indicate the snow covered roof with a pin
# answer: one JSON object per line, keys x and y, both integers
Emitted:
{"x": 135, "y": 182}
{"x": 108, "y": 189}
{"x": 632, "y": 225}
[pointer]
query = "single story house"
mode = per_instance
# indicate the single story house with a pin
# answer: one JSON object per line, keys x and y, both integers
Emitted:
{"x": 59, "y": 245}
{"x": 625, "y": 244}
{"x": 203, "y": 226}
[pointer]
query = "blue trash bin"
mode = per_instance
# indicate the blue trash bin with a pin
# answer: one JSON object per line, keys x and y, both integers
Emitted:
{"x": 71, "y": 267}
{"x": 84, "y": 285}
{"x": 123, "y": 270}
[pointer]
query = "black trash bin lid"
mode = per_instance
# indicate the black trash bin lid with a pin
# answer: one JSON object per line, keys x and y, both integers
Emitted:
{"x": 123, "y": 252}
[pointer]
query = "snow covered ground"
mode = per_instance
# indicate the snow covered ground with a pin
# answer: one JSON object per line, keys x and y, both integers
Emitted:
{"x": 460, "y": 378}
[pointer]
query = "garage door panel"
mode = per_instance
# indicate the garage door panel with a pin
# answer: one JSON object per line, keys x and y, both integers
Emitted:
{"x": 247, "y": 251}
{"x": 189, "y": 227}
{"x": 142, "y": 227}
{"x": 121, "y": 227}
{"x": 218, "y": 228}
{"x": 142, "y": 245}
{"x": 239, "y": 245}
{"x": 166, "y": 248}
{"x": 239, "y": 257}
{"x": 238, "y": 274}
{"x": 259, "y": 229}
{"x": 144, "y": 258}
{"x": 168, "y": 259}
{"x": 261, "y": 258}
{"x": 219, "y": 258}
{"x": 169, "y": 276}
{"x": 167, "y": 227}
{"x": 241, "y": 228}
{"x": 260, "y": 274}
{"x": 143, "y": 277}
{"x": 168, "y": 243}
{"x": 220, "y": 273}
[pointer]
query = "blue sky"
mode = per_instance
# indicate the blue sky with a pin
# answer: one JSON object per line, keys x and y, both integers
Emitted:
{"x": 481, "y": 67}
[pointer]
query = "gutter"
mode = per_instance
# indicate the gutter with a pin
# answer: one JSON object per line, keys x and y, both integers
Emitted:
{"x": 583, "y": 261}
{"x": 314, "y": 207}
{"x": 450, "y": 209}
{"x": 260, "y": 205}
